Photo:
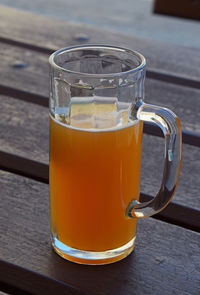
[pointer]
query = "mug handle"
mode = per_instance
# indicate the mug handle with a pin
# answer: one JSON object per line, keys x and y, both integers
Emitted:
{"x": 171, "y": 127}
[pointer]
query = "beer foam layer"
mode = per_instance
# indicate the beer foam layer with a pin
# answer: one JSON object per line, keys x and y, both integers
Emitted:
{"x": 115, "y": 128}
{"x": 94, "y": 115}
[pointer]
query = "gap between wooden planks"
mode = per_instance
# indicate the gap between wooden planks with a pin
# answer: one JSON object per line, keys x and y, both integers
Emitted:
{"x": 174, "y": 213}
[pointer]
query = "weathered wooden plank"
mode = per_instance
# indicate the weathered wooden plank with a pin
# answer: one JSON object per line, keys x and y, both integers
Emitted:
{"x": 174, "y": 213}
{"x": 34, "y": 283}
{"x": 157, "y": 74}
{"x": 161, "y": 263}
{"x": 43, "y": 33}
{"x": 24, "y": 69}
{"x": 24, "y": 132}
{"x": 34, "y": 78}
{"x": 183, "y": 101}
{"x": 188, "y": 137}
{"x": 177, "y": 214}
{"x": 24, "y": 129}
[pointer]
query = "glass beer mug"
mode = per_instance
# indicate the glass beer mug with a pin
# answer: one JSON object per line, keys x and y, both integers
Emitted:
{"x": 96, "y": 123}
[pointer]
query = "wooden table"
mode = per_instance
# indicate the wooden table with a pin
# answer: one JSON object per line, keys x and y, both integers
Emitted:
{"x": 166, "y": 258}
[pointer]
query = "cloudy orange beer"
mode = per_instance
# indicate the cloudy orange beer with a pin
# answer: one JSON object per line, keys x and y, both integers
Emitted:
{"x": 94, "y": 174}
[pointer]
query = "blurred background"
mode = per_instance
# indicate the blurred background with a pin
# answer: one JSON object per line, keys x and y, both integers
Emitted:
{"x": 133, "y": 17}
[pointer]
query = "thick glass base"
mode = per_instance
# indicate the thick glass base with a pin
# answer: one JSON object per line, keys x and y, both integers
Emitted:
{"x": 91, "y": 257}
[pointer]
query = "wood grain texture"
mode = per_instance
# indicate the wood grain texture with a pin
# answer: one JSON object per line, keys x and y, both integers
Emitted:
{"x": 188, "y": 137}
{"x": 173, "y": 78}
{"x": 53, "y": 34}
{"x": 184, "y": 101}
{"x": 34, "y": 78}
{"x": 161, "y": 263}
{"x": 24, "y": 167}
{"x": 177, "y": 214}
{"x": 24, "y": 125}
{"x": 166, "y": 258}
{"x": 24, "y": 131}
{"x": 34, "y": 283}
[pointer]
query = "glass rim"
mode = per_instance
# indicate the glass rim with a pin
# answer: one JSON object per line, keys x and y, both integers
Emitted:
{"x": 97, "y": 46}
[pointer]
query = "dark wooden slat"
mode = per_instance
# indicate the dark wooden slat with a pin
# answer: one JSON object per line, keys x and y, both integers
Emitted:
{"x": 174, "y": 213}
{"x": 11, "y": 290}
{"x": 161, "y": 263}
{"x": 171, "y": 78}
{"x": 32, "y": 46}
{"x": 177, "y": 214}
{"x": 188, "y": 137}
{"x": 24, "y": 131}
{"x": 178, "y": 8}
{"x": 44, "y": 285}
{"x": 24, "y": 167}
{"x": 48, "y": 34}
{"x": 24, "y": 95}
{"x": 192, "y": 138}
